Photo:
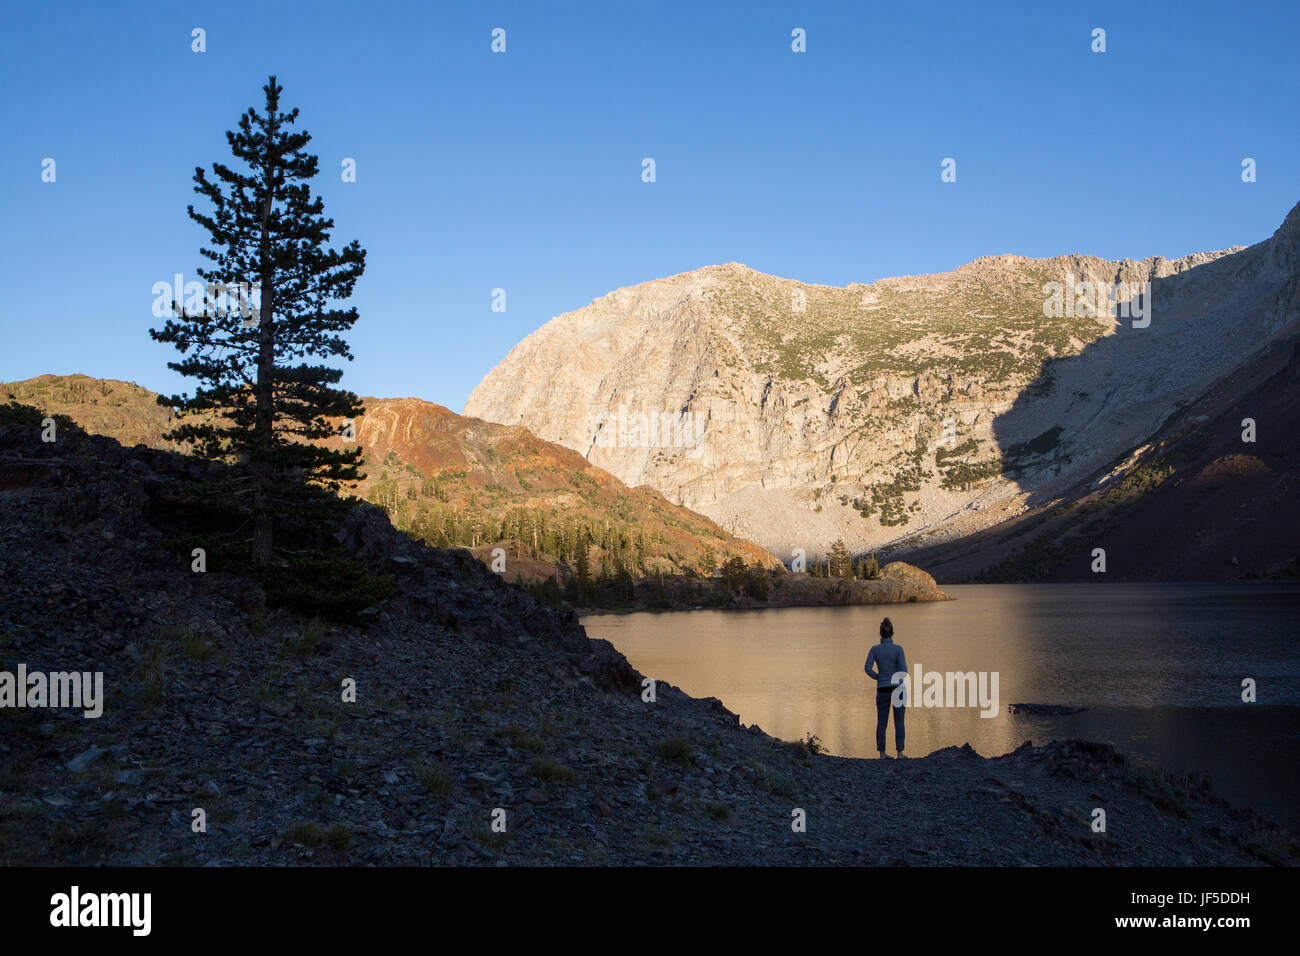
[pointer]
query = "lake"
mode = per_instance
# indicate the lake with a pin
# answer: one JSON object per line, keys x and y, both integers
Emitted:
{"x": 1159, "y": 668}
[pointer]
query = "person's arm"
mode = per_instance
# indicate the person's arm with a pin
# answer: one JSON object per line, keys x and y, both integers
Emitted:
{"x": 902, "y": 660}
{"x": 871, "y": 656}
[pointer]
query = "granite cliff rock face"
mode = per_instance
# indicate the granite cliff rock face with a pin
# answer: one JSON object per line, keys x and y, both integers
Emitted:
{"x": 923, "y": 407}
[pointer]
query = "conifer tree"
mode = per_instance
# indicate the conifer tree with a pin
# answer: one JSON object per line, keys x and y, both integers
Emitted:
{"x": 260, "y": 399}
{"x": 582, "y": 575}
{"x": 840, "y": 565}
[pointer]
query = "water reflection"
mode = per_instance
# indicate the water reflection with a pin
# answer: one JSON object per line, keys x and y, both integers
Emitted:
{"x": 1158, "y": 667}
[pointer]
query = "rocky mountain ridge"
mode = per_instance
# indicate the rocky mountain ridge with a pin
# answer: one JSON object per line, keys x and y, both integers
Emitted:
{"x": 920, "y": 406}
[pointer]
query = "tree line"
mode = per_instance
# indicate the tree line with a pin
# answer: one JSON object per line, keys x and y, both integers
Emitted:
{"x": 841, "y": 564}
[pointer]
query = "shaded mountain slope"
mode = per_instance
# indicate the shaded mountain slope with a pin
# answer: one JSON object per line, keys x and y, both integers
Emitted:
{"x": 102, "y": 406}
{"x": 1196, "y": 502}
{"x": 458, "y": 481}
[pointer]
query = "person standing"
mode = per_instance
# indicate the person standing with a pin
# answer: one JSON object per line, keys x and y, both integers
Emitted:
{"x": 888, "y": 659}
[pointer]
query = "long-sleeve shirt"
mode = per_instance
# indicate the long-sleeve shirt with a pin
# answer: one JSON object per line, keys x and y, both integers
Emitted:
{"x": 889, "y": 660}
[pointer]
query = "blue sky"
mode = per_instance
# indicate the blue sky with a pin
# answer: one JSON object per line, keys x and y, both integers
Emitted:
{"x": 522, "y": 170}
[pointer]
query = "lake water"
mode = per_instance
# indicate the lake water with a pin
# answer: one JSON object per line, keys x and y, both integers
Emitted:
{"x": 1159, "y": 668}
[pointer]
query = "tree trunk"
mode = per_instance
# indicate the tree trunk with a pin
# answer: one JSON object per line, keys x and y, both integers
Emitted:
{"x": 264, "y": 391}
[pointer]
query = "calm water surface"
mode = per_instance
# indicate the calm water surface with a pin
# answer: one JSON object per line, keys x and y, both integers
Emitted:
{"x": 1159, "y": 667}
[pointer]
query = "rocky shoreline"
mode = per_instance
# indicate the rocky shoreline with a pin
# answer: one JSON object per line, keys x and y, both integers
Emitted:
{"x": 474, "y": 704}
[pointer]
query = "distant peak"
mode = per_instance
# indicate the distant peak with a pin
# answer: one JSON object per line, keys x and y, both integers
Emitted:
{"x": 722, "y": 268}
{"x": 1291, "y": 224}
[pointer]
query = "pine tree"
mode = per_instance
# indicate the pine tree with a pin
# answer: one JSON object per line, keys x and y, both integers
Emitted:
{"x": 581, "y": 576}
{"x": 735, "y": 574}
{"x": 257, "y": 401}
{"x": 840, "y": 564}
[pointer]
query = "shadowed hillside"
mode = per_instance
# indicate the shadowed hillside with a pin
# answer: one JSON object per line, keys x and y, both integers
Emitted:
{"x": 1196, "y": 502}
{"x": 472, "y": 695}
{"x": 102, "y": 406}
{"x": 1197, "y": 492}
{"x": 457, "y": 481}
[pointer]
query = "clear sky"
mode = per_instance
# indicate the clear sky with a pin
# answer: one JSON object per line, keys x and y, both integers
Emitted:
{"x": 522, "y": 170}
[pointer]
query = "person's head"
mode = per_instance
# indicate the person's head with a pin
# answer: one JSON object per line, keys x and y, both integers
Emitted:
{"x": 886, "y": 630}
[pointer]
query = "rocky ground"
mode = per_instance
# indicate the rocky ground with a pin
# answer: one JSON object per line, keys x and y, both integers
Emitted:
{"x": 471, "y": 697}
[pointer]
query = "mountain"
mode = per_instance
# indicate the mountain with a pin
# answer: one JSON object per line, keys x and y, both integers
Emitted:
{"x": 910, "y": 411}
{"x": 455, "y": 480}
{"x": 458, "y": 481}
{"x": 1196, "y": 502}
{"x": 102, "y": 406}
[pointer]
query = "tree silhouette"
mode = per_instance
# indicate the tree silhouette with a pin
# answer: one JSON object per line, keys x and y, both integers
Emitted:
{"x": 258, "y": 400}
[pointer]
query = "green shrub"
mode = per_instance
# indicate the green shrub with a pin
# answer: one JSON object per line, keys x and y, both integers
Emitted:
{"x": 16, "y": 413}
{"x": 152, "y": 676}
{"x": 549, "y": 771}
{"x": 435, "y": 779}
{"x": 305, "y": 641}
{"x": 676, "y": 748}
{"x": 520, "y": 739}
{"x": 338, "y": 837}
{"x": 330, "y": 585}
{"x": 756, "y": 583}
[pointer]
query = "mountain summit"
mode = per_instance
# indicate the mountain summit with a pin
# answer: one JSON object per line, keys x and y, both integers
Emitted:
{"x": 919, "y": 407}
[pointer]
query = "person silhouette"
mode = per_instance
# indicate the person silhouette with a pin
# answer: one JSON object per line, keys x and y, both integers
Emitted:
{"x": 888, "y": 659}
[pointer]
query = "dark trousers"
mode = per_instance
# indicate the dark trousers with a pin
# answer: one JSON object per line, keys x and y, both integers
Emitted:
{"x": 884, "y": 701}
